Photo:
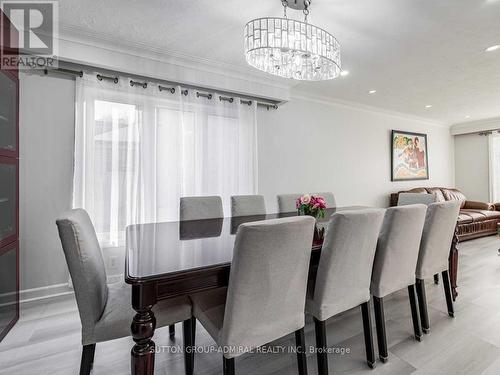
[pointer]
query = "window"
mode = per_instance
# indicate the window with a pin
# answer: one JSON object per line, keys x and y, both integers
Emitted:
{"x": 494, "y": 146}
{"x": 137, "y": 151}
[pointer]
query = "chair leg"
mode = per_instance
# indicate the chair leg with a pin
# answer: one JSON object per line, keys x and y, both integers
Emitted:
{"x": 378, "y": 307}
{"x": 171, "y": 331}
{"x": 367, "y": 329}
{"x": 87, "y": 359}
{"x": 187, "y": 333}
{"x": 193, "y": 329}
{"x": 422, "y": 305}
{"x": 321, "y": 346}
{"x": 415, "y": 315}
{"x": 436, "y": 279}
{"x": 447, "y": 293}
{"x": 300, "y": 343}
{"x": 228, "y": 365}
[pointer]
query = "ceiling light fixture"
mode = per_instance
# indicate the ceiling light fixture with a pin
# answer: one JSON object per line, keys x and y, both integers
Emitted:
{"x": 372, "y": 91}
{"x": 428, "y": 106}
{"x": 493, "y": 48}
{"x": 344, "y": 73}
{"x": 467, "y": 116}
{"x": 292, "y": 49}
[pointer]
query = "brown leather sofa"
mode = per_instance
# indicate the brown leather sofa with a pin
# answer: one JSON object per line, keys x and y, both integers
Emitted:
{"x": 476, "y": 219}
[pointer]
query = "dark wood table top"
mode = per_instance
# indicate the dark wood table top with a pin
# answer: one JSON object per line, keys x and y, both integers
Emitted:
{"x": 158, "y": 251}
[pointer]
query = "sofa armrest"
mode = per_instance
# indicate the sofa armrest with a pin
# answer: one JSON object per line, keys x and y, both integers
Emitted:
{"x": 473, "y": 205}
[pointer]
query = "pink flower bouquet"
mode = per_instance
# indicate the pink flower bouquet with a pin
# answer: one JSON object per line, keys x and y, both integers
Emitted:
{"x": 311, "y": 205}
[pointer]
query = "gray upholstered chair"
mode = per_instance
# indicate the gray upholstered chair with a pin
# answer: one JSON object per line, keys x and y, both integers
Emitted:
{"x": 395, "y": 263}
{"x": 439, "y": 229}
{"x": 287, "y": 202}
{"x": 329, "y": 198}
{"x": 200, "y": 208}
{"x": 247, "y": 205}
{"x": 266, "y": 294}
{"x": 106, "y": 312}
{"x": 344, "y": 275}
{"x": 405, "y": 199}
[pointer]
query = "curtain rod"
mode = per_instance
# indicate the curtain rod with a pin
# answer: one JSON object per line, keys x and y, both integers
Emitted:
{"x": 78, "y": 70}
{"x": 78, "y": 73}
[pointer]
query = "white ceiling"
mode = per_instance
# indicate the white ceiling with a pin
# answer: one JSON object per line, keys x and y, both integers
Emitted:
{"x": 413, "y": 52}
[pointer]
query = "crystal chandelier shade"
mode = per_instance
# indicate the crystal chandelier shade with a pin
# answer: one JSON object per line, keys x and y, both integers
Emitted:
{"x": 292, "y": 49}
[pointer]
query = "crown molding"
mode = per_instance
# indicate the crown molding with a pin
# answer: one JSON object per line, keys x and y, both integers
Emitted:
{"x": 144, "y": 50}
{"x": 150, "y": 51}
{"x": 366, "y": 108}
{"x": 475, "y": 126}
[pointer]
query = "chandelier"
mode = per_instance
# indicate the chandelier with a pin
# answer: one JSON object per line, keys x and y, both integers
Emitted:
{"x": 292, "y": 49}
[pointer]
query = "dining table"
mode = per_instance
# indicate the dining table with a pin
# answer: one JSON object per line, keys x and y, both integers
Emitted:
{"x": 173, "y": 259}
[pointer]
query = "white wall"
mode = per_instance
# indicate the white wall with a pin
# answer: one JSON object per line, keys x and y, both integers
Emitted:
{"x": 46, "y": 167}
{"x": 307, "y": 146}
{"x": 471, "y": 166}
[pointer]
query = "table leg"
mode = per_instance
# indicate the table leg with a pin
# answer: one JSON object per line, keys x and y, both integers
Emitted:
{"x": 453, "y": 266}
{"x": 143, "y": 327}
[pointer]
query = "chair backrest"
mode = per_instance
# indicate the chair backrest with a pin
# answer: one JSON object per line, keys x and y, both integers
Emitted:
{"x": 345, "y": 267}
{"x": 85, "y": 263}
{"x": 439, "y": 229}
{"x": 268, "y": 281}
{"x": 287, "y": 202}
{"x": 329, "y": 198}
{"x": 416, "y": 198}
{"x": 200, "y": 208}
{"x": 397, "y": 249}
{"x": 247, "y": 205}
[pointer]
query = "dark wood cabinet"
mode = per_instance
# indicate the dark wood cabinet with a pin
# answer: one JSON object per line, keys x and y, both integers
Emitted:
{"x": 9, "y": 287}
{"x": 9, "y": 192}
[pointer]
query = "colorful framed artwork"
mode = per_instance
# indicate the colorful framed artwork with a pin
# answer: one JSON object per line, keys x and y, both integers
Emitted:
{"x": 409, "y": 158}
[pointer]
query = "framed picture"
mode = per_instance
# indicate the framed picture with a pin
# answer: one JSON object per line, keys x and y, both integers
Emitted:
{"x": 409, "y": 158}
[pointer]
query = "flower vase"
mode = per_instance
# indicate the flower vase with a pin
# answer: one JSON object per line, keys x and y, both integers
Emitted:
{"x": 319, "y": 234}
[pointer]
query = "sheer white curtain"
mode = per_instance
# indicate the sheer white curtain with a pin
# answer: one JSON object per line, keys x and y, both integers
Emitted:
{"x": 137, "y": 151}
{"x": 494, "y": 150}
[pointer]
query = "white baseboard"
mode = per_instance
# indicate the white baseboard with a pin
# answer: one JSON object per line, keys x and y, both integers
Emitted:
{"x": 49, "y": 291}
{"x": 56, "y": 290}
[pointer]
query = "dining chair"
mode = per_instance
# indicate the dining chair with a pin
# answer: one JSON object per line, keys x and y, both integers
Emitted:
{"x": 405, "y": 199}
{"x": 266, "y": 294}
{"x": 200, "y": 208}
{"x": 437, "y": 236}
{"x": 344, "y": 275}
{"x": 105, "y": 311}
{"x": 287, "y": 202}
{"x": 395, "y": 264}
{"x": 329, "y": 198}
{"x": 248, "y": 205}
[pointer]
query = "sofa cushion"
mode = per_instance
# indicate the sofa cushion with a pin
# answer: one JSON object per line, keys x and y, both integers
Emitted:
{"x": 437, "y": 192}
{"x": 486, "y": 213}
{"x": 454, "y": 195}
{"x": 463, "y": 218}
{"x": 415, "y": 190}
{"x": 480, "y": 215}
